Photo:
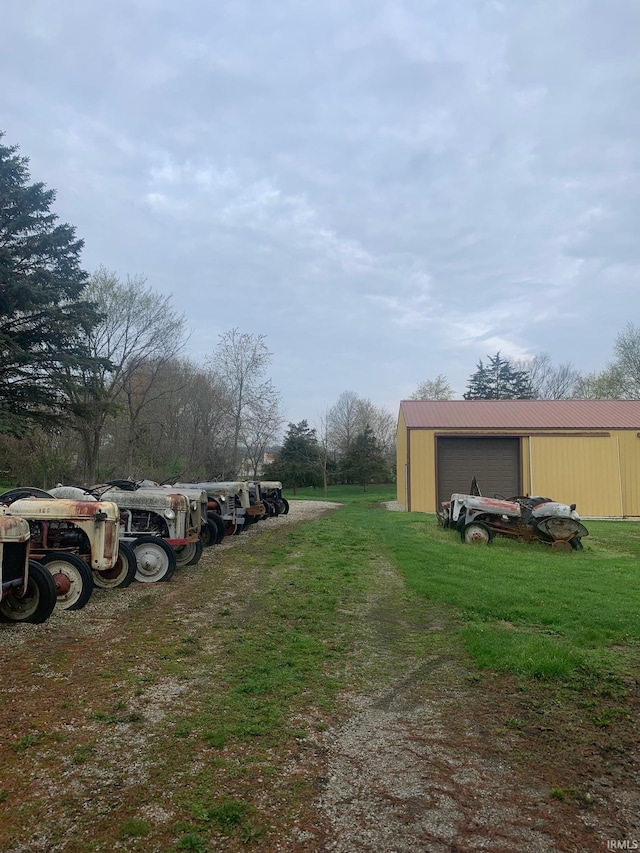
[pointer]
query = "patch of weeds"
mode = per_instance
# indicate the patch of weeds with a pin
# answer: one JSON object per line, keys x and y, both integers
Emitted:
{"x": 189, "y": 646}
{"x": 514, "y": 723}
{"x": 83, "y": 753}
{"x": 564, "y": 794}
{"x": 224, "y": 612}
{"x": 183, "y": 729}
{"x": 249, "y": 832}
{"x": 229, "y": 815}
{"x": 60, "y": 737}
{"x": 135, "y": 828}
{"x": 4, "y": 795}
{"x": 27, "y": 741}
{"x": 192, "y": 841}
{"x": 117, "y": 715}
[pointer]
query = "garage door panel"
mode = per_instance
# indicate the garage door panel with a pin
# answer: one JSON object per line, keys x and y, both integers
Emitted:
{"x": 494, "y": 462}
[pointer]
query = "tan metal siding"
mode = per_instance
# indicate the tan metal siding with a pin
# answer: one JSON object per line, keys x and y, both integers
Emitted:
{"x": 629, "y": 445}
{"x": 401, "y": 460}
{"x": 580, "y": 470}
{"x": 422, "y": 476}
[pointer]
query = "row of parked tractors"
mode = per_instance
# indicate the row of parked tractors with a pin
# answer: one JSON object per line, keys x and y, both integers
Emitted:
{"x": 57, "y": 545}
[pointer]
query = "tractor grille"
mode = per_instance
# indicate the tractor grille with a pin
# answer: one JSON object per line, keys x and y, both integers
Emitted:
{"x": 14, "y": 555}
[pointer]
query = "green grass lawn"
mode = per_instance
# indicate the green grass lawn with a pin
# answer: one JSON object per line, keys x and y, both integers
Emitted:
{"x": 521, "y": 607}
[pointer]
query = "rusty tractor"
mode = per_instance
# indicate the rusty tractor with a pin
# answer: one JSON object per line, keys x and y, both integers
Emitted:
{"x": 155, "y": 522}
{"x": 534, "y": 519}
{"x": 28, "y": 591}
{"x": 76, "y": 539}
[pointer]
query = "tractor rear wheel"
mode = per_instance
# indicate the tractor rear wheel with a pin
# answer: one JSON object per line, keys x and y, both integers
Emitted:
{"x": 220, "y": 524}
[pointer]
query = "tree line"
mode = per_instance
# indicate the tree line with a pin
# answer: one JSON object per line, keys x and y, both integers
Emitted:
{"x": 354, "y": 443}
{"x": 94, "y": 381}
{"x": 95, "y": 384}
{"x": 537, "y": 378}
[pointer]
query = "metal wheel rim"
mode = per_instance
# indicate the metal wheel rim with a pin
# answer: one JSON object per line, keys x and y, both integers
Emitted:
{"x": 476, "y": 535}
{"x": 19, "y": 609}
{"x": 107, "y": 580}
{"x": 152, "y": 562}
{"x": 55, "y": 567}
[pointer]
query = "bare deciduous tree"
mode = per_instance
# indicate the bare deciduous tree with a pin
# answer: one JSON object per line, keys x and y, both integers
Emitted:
{"x": 433, "y": 389}
{"x": 260, "y": 424}
{"x": 241, "y": 360}
{"x": 549, "y": 381}
{"x": 138, "y": 327}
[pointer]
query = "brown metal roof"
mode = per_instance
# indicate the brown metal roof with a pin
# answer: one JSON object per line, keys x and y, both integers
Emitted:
{"x": 522, "y": 414}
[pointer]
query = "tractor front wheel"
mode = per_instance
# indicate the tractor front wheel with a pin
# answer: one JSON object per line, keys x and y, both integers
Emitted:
{"x": 188, "y": 555}
{"x": 72, "y": 577}
{"x": 156, "y": 560}
{"x": 477, "y": 533}
{"x": 123, "y": 572}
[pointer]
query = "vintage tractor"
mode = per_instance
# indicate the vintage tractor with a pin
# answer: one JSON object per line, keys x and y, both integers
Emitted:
{"x": 198, "y": 525}
{"x": 535, "y": 519}
{"x": 28, "y": 590}
{"x": 76, "y": 539}
{"x": 271, "y": 491}
{"x": 228, "y": 504}
{"x": 154, "y": 521}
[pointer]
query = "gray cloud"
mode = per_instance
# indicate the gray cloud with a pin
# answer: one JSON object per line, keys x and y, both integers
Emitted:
{"x": 387, "y": 190}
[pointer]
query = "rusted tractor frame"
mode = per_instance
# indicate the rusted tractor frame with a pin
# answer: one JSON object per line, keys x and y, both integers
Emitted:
{"x": 533, "y": 519}
{"x": 72, "y": 538}
{"x": 28, "y": 593}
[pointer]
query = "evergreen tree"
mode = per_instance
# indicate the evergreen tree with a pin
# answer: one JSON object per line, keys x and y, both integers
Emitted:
{"x": 43, "y": 320}
{"x": 298, "y": 462}
{"x": 364, "y": 462}
{"x": 499, "y": 380}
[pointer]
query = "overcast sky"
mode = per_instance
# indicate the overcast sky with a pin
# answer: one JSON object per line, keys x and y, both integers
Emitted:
{"x": 386, "y": 190}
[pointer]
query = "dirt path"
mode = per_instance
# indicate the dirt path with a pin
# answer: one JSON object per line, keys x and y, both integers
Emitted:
{"x": 422, "y": 756}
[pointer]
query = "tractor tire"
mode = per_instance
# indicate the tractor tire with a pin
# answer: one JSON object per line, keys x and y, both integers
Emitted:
{"x": 38, "y": 602}
{"x": 122, "y": 574}
{"x": 188, "y": 555}
{"x": 477, "y": 533}
{"x": 156, "y": 560}
{"x": 72, "y": 577}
